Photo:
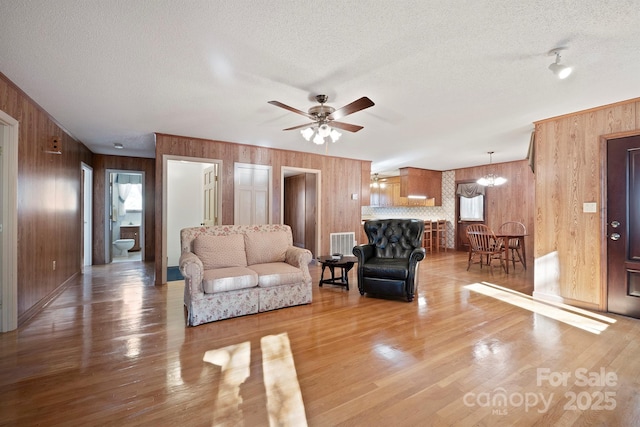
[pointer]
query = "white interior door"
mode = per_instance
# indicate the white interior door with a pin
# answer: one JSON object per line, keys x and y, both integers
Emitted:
{"x": 87, "y": 224}
{"x": 252, "y": 194}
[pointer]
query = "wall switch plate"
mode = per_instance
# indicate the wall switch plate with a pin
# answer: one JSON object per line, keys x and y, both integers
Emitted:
{"x": 354, "y": 196}
{"x": 589, "y": 207}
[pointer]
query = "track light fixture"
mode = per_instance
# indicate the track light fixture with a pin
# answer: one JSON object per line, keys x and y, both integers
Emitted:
{"x": 562, "y": 71}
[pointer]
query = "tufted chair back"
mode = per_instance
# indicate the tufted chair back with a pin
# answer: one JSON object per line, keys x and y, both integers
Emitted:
{"x": 394, "y": 238}
{"x": 387, "y": 265}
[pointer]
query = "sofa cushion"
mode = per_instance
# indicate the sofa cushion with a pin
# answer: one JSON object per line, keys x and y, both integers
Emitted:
{"x": 266, "y": 246}
{"x": 228, "y": 279}
{"x": 276, "y": 274}
{"x": 220, "y": 251}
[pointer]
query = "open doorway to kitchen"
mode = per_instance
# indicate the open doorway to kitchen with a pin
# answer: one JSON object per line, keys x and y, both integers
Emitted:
{"x": 124, "y": 225}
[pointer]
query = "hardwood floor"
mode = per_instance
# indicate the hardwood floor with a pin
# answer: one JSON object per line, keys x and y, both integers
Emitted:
{"x": 113, "y": 349}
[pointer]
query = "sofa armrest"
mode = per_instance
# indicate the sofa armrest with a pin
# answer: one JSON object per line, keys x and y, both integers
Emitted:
{"x": 300, "y": 258}
{"x": 191, "y": 268}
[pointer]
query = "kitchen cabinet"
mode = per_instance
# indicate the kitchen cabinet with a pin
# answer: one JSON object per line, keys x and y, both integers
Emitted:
{"x": 131, "y": 232}
{"x": 389, "y": 193}
{"x": 382, "y": 195}
{"x": 422, "y": 183}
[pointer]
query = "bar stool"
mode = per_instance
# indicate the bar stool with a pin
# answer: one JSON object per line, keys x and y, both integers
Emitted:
{"x": 427, "y": 236}
{"x": 441, "y": 235}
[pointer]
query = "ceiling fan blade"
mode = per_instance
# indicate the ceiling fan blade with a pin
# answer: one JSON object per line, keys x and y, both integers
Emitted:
{"x": 357, "y": 105}
{"x": 300, "y": 127}
{"x": 345, "y": 126}
{"x": 293, "y": 110}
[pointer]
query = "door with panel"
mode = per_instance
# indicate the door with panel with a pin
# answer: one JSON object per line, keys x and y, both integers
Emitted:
{"x": 210, "y": 188}
{"x": 252, "y": 194}
{"x": 623, "y": 226}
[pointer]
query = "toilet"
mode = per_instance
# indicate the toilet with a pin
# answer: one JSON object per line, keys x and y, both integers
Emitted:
{"x": 123, "y": 246}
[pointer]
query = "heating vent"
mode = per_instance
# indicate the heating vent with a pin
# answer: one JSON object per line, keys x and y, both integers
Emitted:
{"x": 343, "y": 243}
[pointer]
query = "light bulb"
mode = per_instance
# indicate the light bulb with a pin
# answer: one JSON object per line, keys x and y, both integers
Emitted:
{"x": 307, "y": 133}
{"x": 335, "y": 135}
{"x": 324, "y": 130}
{"x": 318, "y": 139}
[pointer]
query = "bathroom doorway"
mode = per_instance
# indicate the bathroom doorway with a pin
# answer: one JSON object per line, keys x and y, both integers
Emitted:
{"x": 124, "y": 225}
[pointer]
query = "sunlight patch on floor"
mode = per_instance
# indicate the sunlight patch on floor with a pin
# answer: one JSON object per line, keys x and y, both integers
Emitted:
{"x": 234, "y": 361}
{"x": 579, "y": 318}
{"x": 284, "y": 398}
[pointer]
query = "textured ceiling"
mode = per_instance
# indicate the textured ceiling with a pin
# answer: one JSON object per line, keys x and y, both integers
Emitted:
{"x": 451, "y": 80}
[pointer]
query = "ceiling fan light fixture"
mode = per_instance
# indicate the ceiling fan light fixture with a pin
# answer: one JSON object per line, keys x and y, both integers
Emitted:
{"x": 323, "y": 115}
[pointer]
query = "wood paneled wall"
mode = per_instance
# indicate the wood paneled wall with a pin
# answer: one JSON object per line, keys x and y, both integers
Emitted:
{"x": 512, "y": 201}
{"x": 569, "y": 251}
{"x": 49, "y": 202}
{"x": 100, "y": 185}
{"x": 340, "y": 178}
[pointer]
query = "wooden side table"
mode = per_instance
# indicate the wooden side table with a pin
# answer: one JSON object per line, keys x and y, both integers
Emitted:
{"x": 345, "y": 264}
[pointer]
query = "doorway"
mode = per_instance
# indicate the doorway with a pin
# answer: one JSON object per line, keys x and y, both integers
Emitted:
{"x": 623, "y": 226}
{"x": 188, "y": 200}
{"x": 300, "y": 204}
{"x": 124, "y": 222}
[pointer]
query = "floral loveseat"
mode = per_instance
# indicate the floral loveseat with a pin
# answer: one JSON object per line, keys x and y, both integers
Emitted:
{"x": 233, "y": 270}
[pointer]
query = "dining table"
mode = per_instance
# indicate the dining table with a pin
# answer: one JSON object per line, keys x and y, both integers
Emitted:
{"x": 506, "y": 237}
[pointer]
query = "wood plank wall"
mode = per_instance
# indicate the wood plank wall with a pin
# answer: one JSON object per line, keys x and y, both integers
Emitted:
{"x": 569, "y": 243}
{"x": 512, "y": 201}
{"x": 100, "y": 185}
{"x": 340, "y": 178}
{"x": 49, "y": 202}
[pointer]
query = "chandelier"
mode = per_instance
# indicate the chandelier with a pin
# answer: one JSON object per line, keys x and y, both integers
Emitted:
{"x": 490, "y": 179}
{"x": 318, "y": 133}
{"x": 376, "y": 183}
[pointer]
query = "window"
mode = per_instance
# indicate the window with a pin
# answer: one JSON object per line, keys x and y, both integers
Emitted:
{"x": 472, "y": 209}
{"x": 471, "y": 201}
{"x": 133, "y": 201}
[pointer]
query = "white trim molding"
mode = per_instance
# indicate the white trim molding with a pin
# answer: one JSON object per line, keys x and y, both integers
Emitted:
{"x": 9, "y": 129}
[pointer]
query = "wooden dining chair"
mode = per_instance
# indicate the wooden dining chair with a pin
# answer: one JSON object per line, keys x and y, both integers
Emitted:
{"x": 514, "y": 228}
{"x": 484, "y": 243}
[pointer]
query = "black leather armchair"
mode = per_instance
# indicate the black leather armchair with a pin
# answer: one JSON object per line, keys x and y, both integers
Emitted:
{"x": 387, "y": 265}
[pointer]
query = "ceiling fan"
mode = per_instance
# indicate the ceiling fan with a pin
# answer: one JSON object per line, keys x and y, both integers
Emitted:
{"x": 324, "y": 118}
